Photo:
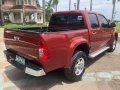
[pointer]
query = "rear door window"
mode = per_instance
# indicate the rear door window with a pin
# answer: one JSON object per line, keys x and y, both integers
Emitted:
{"x": 76, "y": 20}
{"x": 93, "y": 20}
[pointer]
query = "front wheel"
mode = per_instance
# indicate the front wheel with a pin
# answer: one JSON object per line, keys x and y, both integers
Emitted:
{"x": 77, "y": 67}
{"x": 113, "y": 46}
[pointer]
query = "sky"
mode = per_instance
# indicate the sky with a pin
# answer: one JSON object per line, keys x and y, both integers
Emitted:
{"x": 101, "y": 6}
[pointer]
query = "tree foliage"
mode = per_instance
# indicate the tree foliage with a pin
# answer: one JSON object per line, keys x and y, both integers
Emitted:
{"x": 55, "y": 4}
{"x": 50, "y": 8}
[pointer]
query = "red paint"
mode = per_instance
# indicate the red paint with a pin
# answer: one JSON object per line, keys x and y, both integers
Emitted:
{"x": 58, "y": 47}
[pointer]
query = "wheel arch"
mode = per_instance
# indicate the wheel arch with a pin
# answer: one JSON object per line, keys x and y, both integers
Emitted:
{"x": 116, "y": 35}
{"x": 82, "y": 46}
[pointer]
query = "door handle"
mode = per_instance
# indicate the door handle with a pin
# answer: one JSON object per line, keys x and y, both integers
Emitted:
{"x": 93, "y": 33}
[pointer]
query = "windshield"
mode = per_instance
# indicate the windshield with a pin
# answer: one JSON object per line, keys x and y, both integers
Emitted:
{"x": 67, "y": 19}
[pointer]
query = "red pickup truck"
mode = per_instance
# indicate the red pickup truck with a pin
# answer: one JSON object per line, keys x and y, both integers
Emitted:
{"x": 71, "y": 38}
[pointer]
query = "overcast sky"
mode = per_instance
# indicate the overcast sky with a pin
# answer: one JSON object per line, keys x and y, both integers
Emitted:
{"x": 101, "y": 6}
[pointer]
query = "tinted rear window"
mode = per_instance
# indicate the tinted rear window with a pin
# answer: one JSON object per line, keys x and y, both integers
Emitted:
{"x": 67, "y": 19}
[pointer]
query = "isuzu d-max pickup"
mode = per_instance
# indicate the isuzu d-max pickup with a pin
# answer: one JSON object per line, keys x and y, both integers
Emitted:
{"x": 71, "y": 38}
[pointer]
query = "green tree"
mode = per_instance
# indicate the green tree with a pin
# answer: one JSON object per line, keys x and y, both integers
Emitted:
{"x": 49, "y": 9}
{"x": 55, "y": 4}
{"x": 38, "y": 3}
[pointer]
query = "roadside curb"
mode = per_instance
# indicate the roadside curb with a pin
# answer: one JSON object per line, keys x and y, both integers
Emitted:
{"x": 118, "y": 36}
{"x": 100, "y": 76}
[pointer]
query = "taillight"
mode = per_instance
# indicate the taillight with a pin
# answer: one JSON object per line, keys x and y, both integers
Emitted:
{"x": 43, "y": 53}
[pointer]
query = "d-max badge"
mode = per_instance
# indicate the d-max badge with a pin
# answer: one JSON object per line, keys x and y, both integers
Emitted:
{"x": 16, "y": 38}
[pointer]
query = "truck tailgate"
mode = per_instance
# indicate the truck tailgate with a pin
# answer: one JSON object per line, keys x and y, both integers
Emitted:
{"x": 22, "y": 43}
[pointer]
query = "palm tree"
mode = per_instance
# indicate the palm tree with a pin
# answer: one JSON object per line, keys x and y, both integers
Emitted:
{"x": 75, "y": 6}
{"x": 91, "y": 4}
{"x": 23, "y": 11}
{"x": 43, "y": 2}
{"x": 1, "y": 13}
{"x": 78, "y": 3}
{"x": 37, "y": 2}
{"x": 55, "y": 4}
{"x": 69, "y": 5}
{"x": 49, "y": 9}
{"x": 113, "y": 11}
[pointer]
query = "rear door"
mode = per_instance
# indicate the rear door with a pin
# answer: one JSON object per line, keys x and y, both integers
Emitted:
{"x": 95, "y": 32}
{"x": 106, "y": 30}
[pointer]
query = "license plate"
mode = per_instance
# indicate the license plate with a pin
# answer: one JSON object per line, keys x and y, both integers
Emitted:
{"x": 20, "y": 60}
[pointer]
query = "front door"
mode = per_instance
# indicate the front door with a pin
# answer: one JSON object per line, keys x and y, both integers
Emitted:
{"x": 106, "y": 31}
{"x": 17, "y": 18}
{"x": 95, "y": 33}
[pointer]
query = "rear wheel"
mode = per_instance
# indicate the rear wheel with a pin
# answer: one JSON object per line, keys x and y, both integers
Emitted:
{"x": 113, "y": 46}
{"x": 77, "y": 68}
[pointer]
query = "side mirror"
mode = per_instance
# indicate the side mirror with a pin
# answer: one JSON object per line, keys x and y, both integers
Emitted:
{"x": 108, "y": 20}
{"x": 112, "y": 25}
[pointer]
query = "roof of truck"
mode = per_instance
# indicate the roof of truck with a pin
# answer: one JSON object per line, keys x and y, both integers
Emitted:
{"x": 74, "y": 11}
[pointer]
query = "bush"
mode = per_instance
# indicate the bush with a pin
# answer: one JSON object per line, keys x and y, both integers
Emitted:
{"x": 7, "y": 21}
{"x": 31, "y": 23}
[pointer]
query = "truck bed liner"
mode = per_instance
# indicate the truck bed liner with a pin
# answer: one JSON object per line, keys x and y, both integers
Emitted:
{"x": 39, "y": 29}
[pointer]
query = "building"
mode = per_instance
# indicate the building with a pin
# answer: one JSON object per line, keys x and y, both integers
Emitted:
{"x": 19, "y": 11}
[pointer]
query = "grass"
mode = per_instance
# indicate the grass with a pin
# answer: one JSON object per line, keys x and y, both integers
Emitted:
{"x": 118, "y": 27}
{"x": 10, "y": 25}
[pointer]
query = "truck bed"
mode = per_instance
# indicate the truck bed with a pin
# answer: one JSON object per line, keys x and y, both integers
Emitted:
{"x": 26, "y": 42}
{"x": 43, "y": 29}
{"x": 31, "y": 30}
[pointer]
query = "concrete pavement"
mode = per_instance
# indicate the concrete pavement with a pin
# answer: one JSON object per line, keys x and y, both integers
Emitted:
{"x": 102, "y": 73}
{"x": 119, "y": 36}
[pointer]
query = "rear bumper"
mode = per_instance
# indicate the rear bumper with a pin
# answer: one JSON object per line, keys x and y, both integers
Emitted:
{"x": 29, "y": 67}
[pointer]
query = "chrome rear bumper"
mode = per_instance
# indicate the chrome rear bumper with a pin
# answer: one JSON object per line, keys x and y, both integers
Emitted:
{"x": 34, "y": 72}
{"x": 29, "y": 68}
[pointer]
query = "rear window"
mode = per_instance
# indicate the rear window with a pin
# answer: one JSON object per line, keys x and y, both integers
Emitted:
{"x": 67, "y": 19}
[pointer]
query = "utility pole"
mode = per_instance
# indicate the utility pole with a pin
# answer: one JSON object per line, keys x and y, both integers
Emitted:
{"x": 43, "y": 3}
{"x": 69, "y": 5}
{"x": 113, "y": 10}
{"x": 1, "y": 14}
{"x": 78, "y": 4}
{"x": 91, "y": 4}
{"x": 75, "y": 6}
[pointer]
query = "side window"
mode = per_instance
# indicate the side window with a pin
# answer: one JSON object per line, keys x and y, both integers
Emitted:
{"x": 76, "y": 19}
{"x": 93, "y": 20}
{"x": 104, "y": 21}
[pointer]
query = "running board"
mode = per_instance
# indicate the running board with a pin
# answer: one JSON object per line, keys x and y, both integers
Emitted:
{"x": 94, "y": 54}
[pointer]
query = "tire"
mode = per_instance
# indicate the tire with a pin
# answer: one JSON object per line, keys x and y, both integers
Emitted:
{"x": 113, "y": 46}
{"x": 75, "y": 71}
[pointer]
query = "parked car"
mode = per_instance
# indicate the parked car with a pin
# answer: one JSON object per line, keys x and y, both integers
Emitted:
{"x": 71, "y": 38}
